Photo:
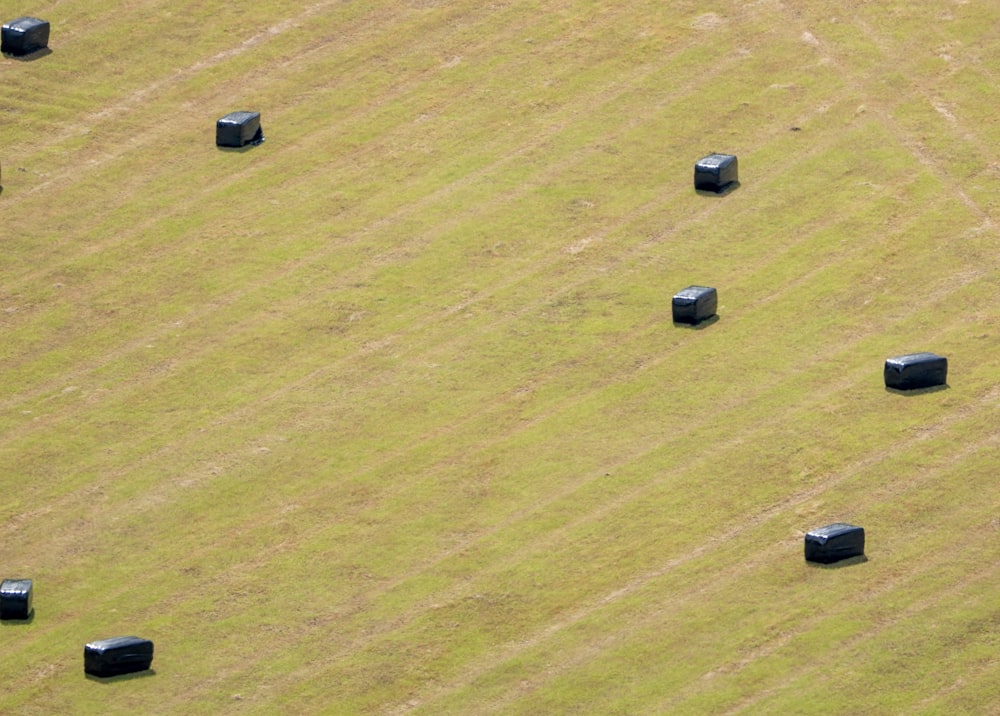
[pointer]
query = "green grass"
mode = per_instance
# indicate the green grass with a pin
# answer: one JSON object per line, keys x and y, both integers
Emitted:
{"x": 388, "y": 414}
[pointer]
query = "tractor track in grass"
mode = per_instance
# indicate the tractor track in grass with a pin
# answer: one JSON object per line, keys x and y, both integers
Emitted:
{"x": 924, "y": 158}
{"x": 158, "y": 135}
{"x": 605, "y": 96}
{"x": 986, "y": 671}
{"x": 319, "y": 375}
{"x": 720, "y": 542}
{"x": 609, "y": 94}
{"x": 811, "y": 668}
{"x": 136, "y": 345}
{"x": 874, "y": 99}
{"x": 540, "y": 263}
{"x": 883, "y": 494}
{"x": 138, "y": 98}
{"x": 598, "y": 249}
{"x": 153, "y": 498}
{"x": 400, "y": 581}
{"x": 343, "y": 617}
{"x": 316, "y": 48}
{"x": 148, "y": 338}
{"x": 397, "y": 91}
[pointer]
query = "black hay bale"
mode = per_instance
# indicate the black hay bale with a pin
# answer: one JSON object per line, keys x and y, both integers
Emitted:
{"x": 834, "y": 543}
{"x": 694, "y": 304}
{"x": 716, "y": 172}
{"x": 24, "y": 36}
{"x": 15, "y": 599}
{"x": 238, "y": 129}
{"x": 118, "y": 655}
{"x": 915, "y": 370}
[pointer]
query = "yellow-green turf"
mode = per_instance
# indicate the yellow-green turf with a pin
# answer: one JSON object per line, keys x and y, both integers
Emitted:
{"x": 388, "y": 414}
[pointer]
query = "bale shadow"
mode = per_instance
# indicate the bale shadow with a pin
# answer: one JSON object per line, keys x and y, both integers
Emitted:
{"x": 121, "y": 677}
{"x": 257, "y": 140}
{"x": 917, "y": 391}
{"x": 849, "y": 562}
{"x": 18, "y": 622}
{"x": 723, "y": 190}
{"x": 31, "y": 56}
{"x": 236, "y": 150}
{"x": 700, "y": 325}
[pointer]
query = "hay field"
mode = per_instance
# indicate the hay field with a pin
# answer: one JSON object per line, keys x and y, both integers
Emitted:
{"x": 388, "y": 414}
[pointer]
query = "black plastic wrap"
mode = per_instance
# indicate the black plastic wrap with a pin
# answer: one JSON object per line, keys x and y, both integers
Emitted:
{"x": 24, "y": 36}
{"x": 117, "y": 655}
{"x": 15, "y": 599}
{"x": 716, "y": 172}
{"x": 835, "y": 542}
{"x": 238, "y": 129}
{"x": 915, "y": 370}
{"x": 694, "y": 304}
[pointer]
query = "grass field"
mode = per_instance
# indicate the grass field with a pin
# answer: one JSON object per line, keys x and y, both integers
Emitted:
{"x": 388, "y": 414}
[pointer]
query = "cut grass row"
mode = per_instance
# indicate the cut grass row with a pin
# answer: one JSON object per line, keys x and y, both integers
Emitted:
{"x": 410, "y": 423}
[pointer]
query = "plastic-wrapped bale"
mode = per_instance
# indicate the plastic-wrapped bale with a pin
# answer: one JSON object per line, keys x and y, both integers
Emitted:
{"x": 118, "y": 655}
{"x": 834, "y": 543}
{"x": 716, "y": 172}
{"x": 15, "y": 599}
{"x": 24, "y": 36}
{"x": 915, "y": 370}
{"x": 238, "y": 129}
{"x": 694, "y": 304}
